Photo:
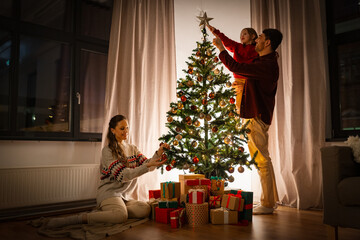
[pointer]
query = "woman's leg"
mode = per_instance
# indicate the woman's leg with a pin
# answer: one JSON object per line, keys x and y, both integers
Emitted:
{"x": 138, "y": 209}
{"x": 112, "y": 210}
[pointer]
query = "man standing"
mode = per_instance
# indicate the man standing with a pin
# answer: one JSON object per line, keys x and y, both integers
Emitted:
{"x": 258, "y": 101}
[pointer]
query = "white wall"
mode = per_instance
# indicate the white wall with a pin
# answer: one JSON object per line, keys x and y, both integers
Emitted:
{"x": 230, "y": 16}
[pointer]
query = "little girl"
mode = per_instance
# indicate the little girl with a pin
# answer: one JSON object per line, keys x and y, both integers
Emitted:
{"x": 244, "y": 52}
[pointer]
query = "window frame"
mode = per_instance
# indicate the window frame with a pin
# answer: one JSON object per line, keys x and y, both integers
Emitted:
{"x": 334, "y": 41}
{"x": 15, "y": 27}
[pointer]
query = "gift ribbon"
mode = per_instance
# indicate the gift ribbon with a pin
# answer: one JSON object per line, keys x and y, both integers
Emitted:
{"x": 226, "y": 216}
{"x": 194, "y": 182}
{"x": 248, "y": 206}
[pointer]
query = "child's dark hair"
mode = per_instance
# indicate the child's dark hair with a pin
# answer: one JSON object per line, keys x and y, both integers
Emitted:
{"x": 252, "y": 31}
{"x": 275, "y": 37}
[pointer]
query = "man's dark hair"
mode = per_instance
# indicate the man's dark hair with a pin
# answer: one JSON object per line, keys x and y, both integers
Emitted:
{"x": 275, "y": 37}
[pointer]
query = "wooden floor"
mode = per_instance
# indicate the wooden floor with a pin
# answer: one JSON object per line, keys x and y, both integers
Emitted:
{"x": 286, "y": 223}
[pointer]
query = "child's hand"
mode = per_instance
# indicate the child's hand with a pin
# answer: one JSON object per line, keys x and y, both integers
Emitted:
{"x": 211, "y": 28}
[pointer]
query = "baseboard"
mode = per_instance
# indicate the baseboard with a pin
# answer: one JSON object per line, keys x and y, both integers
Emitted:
{"x": 30, "y": 212}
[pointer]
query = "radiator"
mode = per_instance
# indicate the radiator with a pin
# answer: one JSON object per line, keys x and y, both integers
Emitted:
{"x": 21, "y": 187}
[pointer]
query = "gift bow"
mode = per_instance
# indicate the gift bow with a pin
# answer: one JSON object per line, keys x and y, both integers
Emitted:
{"x": 215, "y": 199}
{"x": 193, "y": 193}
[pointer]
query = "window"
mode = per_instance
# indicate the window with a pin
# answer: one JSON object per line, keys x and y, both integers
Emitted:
{"x": 343, "y": 21}
{"x": 53, "y": 61}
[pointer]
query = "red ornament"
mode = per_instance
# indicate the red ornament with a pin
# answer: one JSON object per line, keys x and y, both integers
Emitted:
{"x": 173, "y": 163}
{"x": 202, "y": 61}
{"x": 168, "y": 168}
{"x": 183, "y": 98}
{"x": 204, "y": 101}
{"x": 216, "y": 59}
{"x": 198, "y": 53}
{"x": 214, "y": 129}
{"x": 164, "y": 157}
{"x": 212, "y": 95}
{"x": 232, "y": 100}
{"x": 190, "y": 71}
{"x": 195, "y": 160}
{"x": 188, "y": 119}
{"x": 241, "y": 149}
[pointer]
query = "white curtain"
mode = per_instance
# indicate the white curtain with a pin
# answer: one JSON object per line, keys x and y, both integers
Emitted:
{"x": 298, "y": 128}
{"x": 141, "y": 74}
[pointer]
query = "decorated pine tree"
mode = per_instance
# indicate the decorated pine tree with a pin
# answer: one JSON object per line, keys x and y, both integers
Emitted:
{"x": 205, "y": 132}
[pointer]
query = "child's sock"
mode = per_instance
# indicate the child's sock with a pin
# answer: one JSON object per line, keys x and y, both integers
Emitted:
{"x": 64, "y": 221}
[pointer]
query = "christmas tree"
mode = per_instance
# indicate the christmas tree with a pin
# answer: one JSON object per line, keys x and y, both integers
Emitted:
{"x": 205, "y": 132}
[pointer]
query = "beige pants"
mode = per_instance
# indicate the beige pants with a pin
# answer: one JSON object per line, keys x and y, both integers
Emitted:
{"x": 258, "y": 141}
{"x": 238, "y": 86}
{"x": 116, "y": 210}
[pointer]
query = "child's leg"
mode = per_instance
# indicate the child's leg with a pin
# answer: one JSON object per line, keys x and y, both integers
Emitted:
{"x": 138, "y": 209}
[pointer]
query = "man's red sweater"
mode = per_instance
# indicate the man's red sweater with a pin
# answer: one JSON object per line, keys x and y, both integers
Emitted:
{"x": 242, "y": 53}
{"x": 258, "y": 99}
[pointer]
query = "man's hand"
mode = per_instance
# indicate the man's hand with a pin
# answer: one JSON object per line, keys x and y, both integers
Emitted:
{"x": 217, "y": 42}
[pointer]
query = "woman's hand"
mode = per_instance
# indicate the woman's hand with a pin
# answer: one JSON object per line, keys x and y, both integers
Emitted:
{"x": 162, "y": 147}
{"x": 158, "y": 162}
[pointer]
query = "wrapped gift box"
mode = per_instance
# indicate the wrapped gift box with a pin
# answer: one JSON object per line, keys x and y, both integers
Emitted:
{"x": 183, "y": 177}
{"x": 162, "y": 215}
{"x": 223, "y": 216}
{"x": 246, "y": 214}
{"x": 171, "y": 203}
{"x": 154, "y": 194}
{"x": 196, "y": 196}
{"x": 178, "y": 218}
{"x": 197, "y": 214}
{"x": 217, "y": 186}
{"x": 231, "y": 202}
{"x": 203, "y": 184}
{"x": 170, "y": 190}
{"x": 215, "y": 201}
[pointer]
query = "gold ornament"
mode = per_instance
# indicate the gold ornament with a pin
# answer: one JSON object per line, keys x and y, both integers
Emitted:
{"x": 186, "y": 166}
{"x": 181, "y": 85}
{"x": 228, "y": 84}
{"x": 170, "y": 119}
{"x": 196, "y": 123}
{"x": 174, "y": 110}
{"x": 179, "y": 94}
{"x": 241, "y": 169}
{"x": 231, "y": 169}
{"x": 227, "y": 140}
{"x": 180, "y": 105}
{"x": 201, "y": 115}
{"x": 175, "y": 142}
{"x": 191, "y": 132}
{"x": 210, "y": 77}
{"x": 178, "y": 137}
{"x": 217, "y": 157}
{"x": 238, "y": 126}
{"x": 222, "y": 103}
{"x": 231, "y": 114}
{"x": 192, "y": 169}
{"x": 194, "y": 144}
{"x": 216, "y": 71}
{"x": 208, "y": 117}
{"x": 208, "y": 52}
{"x": 190, "y": 83}
{"x": 178, "y": 129}
{"x": 204, "y": 19}
{"x": 231, "y": 179}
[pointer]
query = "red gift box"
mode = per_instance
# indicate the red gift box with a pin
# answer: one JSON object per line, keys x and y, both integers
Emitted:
{"x": 196, "y": 196}
{"x": 162, "y": 215}
{"x": 177, "y": 218}
{"x": 194, "y": 182}
{"x": 154, "y": 194}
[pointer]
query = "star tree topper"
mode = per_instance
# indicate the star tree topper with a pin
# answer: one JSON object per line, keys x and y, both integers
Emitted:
{"x": 204, "y": 20}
